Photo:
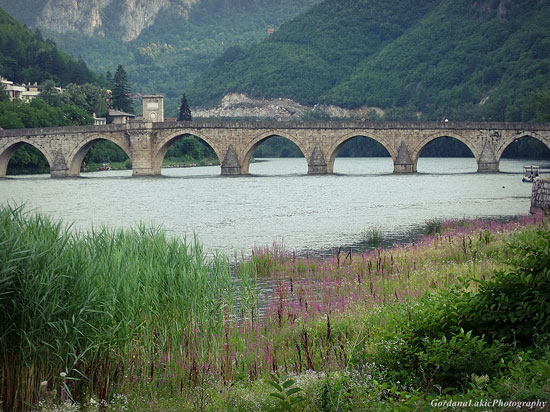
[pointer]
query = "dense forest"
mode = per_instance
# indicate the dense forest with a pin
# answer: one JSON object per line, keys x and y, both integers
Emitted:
{"x": 27, "y": 57}
{"x": 457, "y": 59}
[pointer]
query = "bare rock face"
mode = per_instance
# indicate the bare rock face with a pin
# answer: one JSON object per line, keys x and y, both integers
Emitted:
{"x": 65, "y": 16}
{"x": 138, "y": 15}
{"x": 500, "y": 9}
{"x": 239, "y": 105}
{"x": 85, "y": 16}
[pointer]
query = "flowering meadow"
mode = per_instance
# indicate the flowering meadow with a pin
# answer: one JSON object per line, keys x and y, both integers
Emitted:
{"x": 133, "y": 320}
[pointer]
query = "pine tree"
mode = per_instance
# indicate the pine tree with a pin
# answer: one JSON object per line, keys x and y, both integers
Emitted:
{"x": 185, "y": 112}
{"x": 121, "y": 90}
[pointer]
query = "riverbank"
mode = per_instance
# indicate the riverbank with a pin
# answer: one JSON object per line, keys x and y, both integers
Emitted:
{"x": 356, "y": 332}
{"x": 167, "y": 163}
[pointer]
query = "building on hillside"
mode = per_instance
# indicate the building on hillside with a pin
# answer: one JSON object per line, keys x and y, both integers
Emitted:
{"x": 14, "y": 91}
{"x": 25, "y": 92}
{"x": 31, "y": 92}
{"x": 121, "y": 117}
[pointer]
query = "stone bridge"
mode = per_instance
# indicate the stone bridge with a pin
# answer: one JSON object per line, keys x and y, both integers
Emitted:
{"x": 146, "y": 143}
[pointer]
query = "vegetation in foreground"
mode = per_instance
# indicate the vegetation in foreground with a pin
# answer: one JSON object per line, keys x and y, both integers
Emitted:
{"x": 132, "y": 320}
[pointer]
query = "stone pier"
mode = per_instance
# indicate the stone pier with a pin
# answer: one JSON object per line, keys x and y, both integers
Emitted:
{"x": 540, "y": 196}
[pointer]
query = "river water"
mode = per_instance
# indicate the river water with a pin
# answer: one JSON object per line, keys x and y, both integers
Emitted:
{"x": 279, "y": 202}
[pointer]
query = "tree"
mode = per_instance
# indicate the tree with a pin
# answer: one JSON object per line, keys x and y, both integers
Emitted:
{"x": 89, "y": 97}
{"x": 3, "y": 93}
{"x": 121, "y": 91}
{"x": 185, "y": 112}
{"x": 52, "y": 95}
{"x": 542, "y": 105}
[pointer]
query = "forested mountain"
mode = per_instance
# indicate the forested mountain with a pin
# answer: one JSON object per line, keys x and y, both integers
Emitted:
{"x": 27, "y": 57}
{"x": 162, "y": 44}
{"x": 458, "y": 59}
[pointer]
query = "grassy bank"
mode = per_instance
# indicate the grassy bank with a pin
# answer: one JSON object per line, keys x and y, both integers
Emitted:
{"x": 141, "y": 322}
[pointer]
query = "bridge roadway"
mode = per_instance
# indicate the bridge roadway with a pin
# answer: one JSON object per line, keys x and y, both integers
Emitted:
{"x": 146, "y": 143}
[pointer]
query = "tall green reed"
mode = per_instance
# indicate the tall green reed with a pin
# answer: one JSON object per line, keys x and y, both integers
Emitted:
{"x": 97, "y": 306}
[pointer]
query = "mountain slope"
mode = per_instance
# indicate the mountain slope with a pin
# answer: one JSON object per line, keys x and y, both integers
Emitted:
{"x": 26, "y": 57}
{"x": 313, "y": 52}
{"x": 162, "y": 44}
{"x": 442, "y": 58}
{"x": 456, "y": 57}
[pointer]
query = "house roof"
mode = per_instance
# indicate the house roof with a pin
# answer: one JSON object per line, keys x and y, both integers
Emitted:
{"x": 118, "y": 113}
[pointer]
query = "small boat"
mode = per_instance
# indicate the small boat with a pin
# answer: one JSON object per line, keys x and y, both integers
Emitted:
{"x": 104, "y": 166}
{"x": 530, "y": 173}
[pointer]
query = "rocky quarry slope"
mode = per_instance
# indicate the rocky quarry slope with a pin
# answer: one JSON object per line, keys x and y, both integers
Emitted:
{"x": 239, "y": 105}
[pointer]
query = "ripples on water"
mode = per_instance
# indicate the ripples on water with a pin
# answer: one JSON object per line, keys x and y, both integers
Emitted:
{"x": 279, "y": 202}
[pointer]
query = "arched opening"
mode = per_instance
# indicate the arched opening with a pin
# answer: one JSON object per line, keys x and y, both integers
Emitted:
{"x": 362, "y": 155}
{"x": 190, "y": 152}
{"x": 99, "y": 155}
{"x": 23, "y": 159}
{"x": 446, "y": 154}
{"x": 526, "y": 150}
{"x": 275, "y": 155}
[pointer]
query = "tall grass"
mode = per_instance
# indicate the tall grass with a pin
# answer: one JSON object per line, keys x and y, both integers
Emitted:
{"x": 134, "y": 312}
{"x": 373, "y": 238}
{"x": 80, "y": 311}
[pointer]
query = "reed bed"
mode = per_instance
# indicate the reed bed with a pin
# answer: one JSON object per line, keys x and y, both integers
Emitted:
{"x": 80, "y": 313}
{"x": 135, "y": 313}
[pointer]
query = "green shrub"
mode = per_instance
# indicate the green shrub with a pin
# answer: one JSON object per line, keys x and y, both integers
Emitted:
{"x": 451, "y": 362}
{"x": 514, "y": 305}
{"x": 511, "y": 310}
{"x": 527, "y": 379}
{"x": 287, "y": 393}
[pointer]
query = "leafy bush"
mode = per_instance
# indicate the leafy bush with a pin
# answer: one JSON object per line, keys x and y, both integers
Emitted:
{"x": 508, "y": 311}
{"x": 451, "y": 362}
{"x": 286, "y": 393}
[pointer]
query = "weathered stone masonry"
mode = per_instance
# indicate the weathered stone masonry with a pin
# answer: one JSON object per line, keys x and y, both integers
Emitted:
{"x": 146, "y": 143}
{"x": 540, "y": 196}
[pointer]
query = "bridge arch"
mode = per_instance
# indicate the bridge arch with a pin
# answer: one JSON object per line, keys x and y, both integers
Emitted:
{"x": 415, "y": 155}
{"x": 251, "y": 147}
{"x": 511, "y": 139}
{"x": 76, "y": 157}
{"x": 336, "y": 146}
{"x": 7, "y": 151}
{"x": 162, "y": 147}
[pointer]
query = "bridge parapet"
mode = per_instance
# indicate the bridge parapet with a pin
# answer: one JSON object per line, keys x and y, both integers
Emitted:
{"x": 146, "y": 143}
{"x": 355, "y": 125}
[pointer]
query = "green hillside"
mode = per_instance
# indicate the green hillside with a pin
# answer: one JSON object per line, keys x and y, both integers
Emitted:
{"x": 170, "y": 54}
{"x": 439, "y": 57}
{"x": 309, "y": 55}
{"x": 27, "y": 57}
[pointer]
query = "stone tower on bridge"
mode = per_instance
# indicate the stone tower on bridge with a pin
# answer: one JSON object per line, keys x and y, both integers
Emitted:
{"x": 153, "y": 108}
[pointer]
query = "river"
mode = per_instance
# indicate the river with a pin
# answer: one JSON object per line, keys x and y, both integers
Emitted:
{"x": 278, "y": 201}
